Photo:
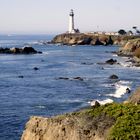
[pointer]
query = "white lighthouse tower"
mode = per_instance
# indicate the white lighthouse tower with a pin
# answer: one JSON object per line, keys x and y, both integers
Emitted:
{"x": 71, "y": 22}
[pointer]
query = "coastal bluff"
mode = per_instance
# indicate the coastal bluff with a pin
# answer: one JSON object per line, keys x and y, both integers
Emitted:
{"x": 132, "y": 50}
{"x": 107, "y": 122}
{"x": 90, "y": 39}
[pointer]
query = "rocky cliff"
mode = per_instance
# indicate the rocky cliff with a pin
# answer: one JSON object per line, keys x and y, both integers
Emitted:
{"x": 108, "y": 122}
{"x": 90, "y": 39}
{"x": 131, "y": 49}
{"x": 82, "y": 39}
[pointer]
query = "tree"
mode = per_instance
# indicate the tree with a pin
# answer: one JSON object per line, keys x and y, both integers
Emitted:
{"x": 122, "y": 32}
{"x": 136, "y": 29}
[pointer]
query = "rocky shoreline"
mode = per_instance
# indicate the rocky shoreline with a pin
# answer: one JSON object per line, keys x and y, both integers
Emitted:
{"x": 90, "y": 39}
{"x": 100, "y": 122}
{"x": 24, "y": 50}
{"x": 131, "y": 50}
{"x": 111, "y": 121}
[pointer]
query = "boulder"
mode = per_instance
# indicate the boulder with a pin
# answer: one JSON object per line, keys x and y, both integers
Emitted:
{"x": 95, "y": 103}
{"x": 35, "y": 68}
{"x": 62, "y": 78}
{"x": 129, "y": 49}
{"x": 113, "y": 77}
{"x": 15, "y": 50}
{"x": 78, "y": 78}
{"x": 24, "y": 50}
{"x": 135, "y": 97}
{"x": 20, "y": 76}
{"x": 111, "y": 61}
{"x": 28, "y": 50}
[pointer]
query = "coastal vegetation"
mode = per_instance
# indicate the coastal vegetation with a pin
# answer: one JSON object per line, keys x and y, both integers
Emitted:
{"x": 108, "y": 122}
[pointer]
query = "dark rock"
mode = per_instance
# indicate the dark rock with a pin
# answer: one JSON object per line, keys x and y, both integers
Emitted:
{"x": 111, "y": 61}
{"x": 113, "y": 77}
{"x": 25, "y": 50}
{"x": 28, "y": 50}
{"x": 63, "y": 78}
{"x": 15, "y": 50}
{"x": 78, "y": 78}
{"x": 98, "y": 42}
{"x": 84, "y": 41}
{"x": 39, "y": 52}
{"x": 128, "y": 90}
{"x": 20, "y": 76}
{"x": 5, "y": 50}
{"x": 35, "y": 68}
{"x": 110, "y": 41}
{"x": 86, "y": 63}
{"x": 97, "y": 104}
{"x": 135, "y": 97}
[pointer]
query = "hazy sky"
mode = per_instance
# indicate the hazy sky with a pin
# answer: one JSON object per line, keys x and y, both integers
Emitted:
{"x": 51, "y": 16}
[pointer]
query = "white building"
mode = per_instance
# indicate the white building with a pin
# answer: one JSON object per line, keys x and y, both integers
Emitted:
{"x": 72, "y": 30}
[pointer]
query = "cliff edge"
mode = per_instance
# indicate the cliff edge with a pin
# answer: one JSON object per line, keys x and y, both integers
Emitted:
{"x": 90, "y": 39}
{"x": 108, "y": 122}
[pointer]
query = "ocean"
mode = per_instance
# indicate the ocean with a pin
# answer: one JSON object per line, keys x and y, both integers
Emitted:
{"x": 54, "y": 89}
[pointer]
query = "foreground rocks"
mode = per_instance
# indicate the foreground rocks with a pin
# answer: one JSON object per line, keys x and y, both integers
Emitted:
{"x": 135, "y": 97}
{"x": 24, "y": 50}
{"x": 114, "y": 77}
{"x": 101, "y": 122}
{"x": 132, "y": 50}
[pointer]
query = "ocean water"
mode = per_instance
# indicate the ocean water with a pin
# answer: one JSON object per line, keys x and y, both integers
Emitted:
{"x": 42, "y": 93}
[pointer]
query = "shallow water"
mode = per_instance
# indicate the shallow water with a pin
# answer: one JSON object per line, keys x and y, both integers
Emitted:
{"x": 42, "y": 93}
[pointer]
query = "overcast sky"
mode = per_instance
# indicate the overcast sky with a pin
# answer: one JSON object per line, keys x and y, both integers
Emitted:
{"x": 51, "y": 16}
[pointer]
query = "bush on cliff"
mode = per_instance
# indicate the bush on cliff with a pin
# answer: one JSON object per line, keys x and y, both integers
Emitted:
{"x": 127, "y": 120}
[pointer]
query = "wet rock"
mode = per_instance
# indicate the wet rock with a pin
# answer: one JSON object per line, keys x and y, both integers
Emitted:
{"x": 95, "y": 104}
{"x": 28, "y": 50}
{"x": 86, "y": 63}
{"x": 78, "y": 78}
{"x": 111, "y": 61}
{"x": 15, "y": 50}
{"x": 113, "y": 77}
{"x": 98, "y": 42}
{"x": 24, "y": 50}
{"x": 128, "y": 90}
{"x": 63, "y": 78}
{"x": 42, "y": 60}
{"x": 5, "y": 50}
{"x": 135, "y": 97}
{"x": 35, "y": 68}
{"x": 20, "y": 76}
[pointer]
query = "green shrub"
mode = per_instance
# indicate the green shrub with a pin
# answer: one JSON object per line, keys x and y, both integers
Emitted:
{"x": 127, "y": 116}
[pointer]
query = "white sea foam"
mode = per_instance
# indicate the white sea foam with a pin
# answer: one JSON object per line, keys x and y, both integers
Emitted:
{"x": 71, "y": 101}
{"x": 115, "y": 55}
{"x": 128, "y": 64}
{"x": 102, "y": 102}
{"x": 40, "y": 106}
{"x": 121, "y": 89}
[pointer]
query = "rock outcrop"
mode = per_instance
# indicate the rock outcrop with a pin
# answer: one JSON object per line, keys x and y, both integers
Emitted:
{"x": 107, "y": 122}
{"x": 82, "y": 39}
{"x": 131, "y": 49}
{"x": 91, "y": 39}
{"x": 76, "y": 126}
{"x": 135, "y": 97}
{"x": 24, "y": 50}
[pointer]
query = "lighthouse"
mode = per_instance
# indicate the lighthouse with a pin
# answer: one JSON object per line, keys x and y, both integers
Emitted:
{"x": 72, "y": 30}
